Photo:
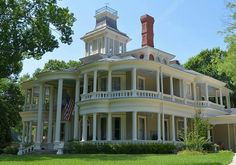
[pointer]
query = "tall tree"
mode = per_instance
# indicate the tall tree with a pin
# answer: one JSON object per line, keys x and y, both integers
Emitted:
{"x": 29, "y": 29}
{"x": 229, "y": 64}
{"x": 11, "y": 102}
{"x": 207, "y": 62}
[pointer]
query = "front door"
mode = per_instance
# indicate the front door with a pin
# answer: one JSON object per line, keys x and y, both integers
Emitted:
{"x": 116, "y": 128}
{"x": 103, "y": 128}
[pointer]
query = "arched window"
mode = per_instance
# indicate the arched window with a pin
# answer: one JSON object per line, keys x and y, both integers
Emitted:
{"x": 141, "y": 56}
{"x": 151, "y": 57}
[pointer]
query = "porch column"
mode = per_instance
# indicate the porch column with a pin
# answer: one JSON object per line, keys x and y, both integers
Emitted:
{"x": 216, "y": 97}
{"x": 206, "y": 92}
{"x": 159, "y": 126}
{"x": 84, "y": 129}
{"x": 23, "y": 132}
{"x": 171, "y": 88}
{"x": 95, "y": 81}
{"x": 85, "y": 88}
{"x": 32, "y": 98}
{"x": 194, "y": 92}
{"x": 162, "y": 90}
{"x": 58, "y": 116}
{"x": 40, "y": 113}
{"x": 221, "y": 97}
{"x": 30, "y": 131}
{"x": 50, "y": 115}
{"x": 76, "y": 110}
{"x": 184, "y": 91}
{"x": 173, "y": 128}
{"x": 109, "y": 81}
{"x": 109, "y": 126}
{"x": 27, "y": 132}
{"x": 163, "y": 124}
{"x": 94, "y": 126}
{"x": 228, "y": 102}
{"x": 134, "y": 125}
{"x": 209, "y": 134}
{"x": 158, "y": 81}
{"x": 185, "y": 127}
{"x": 134, "y": 81}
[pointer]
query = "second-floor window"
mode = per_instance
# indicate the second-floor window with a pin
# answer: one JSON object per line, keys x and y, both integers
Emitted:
{"x": 103, "y": 84}
{"x": 116, "y": 84}
{"x": 141, "y": 83}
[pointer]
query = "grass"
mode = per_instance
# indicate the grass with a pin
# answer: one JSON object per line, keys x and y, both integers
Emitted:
{"x": 222, "y": 158}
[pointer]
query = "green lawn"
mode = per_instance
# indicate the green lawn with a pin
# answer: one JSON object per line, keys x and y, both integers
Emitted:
{"x": 105, "y": 159}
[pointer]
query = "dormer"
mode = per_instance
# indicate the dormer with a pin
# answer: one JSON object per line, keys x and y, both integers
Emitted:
{"x": 105, "y": 38}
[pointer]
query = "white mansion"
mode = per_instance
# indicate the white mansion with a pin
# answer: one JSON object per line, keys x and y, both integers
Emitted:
{"x": 119, "y": 96}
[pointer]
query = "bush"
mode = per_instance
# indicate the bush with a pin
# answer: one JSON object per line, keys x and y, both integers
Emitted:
{"x": 188, "y": 152}
{"x": 209, "y": 147}
{"x": 12, "y": 149}
{"x": 87, "y": 148}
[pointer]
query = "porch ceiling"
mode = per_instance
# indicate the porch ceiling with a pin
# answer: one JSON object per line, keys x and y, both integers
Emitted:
{"x": 223, "y": 119}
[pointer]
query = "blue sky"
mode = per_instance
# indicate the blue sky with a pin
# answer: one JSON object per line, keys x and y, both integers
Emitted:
{"x": 182, "y": 27}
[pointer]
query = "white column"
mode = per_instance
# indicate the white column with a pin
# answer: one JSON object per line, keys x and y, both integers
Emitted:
{"x": 76, "y": 109}
{"x": 184, "y": 91}
{"x": 84, "y": 129}
{"x": 134, "y": 80}
{"x": 171, "y": 88}
{"x": 228, "y": 102}
{"x": 109, "y": 126}
{"x": 95, "y": 81}
{"x": 194, "y": 91}
{"x": 206, "y": 92}
{"x": 173, "y": 128}
{"x": 163, "y": 126}
{"x": 30, "y": 132}
{"x": 109, "y": 81}
{"x": 162, "y": 88}
{"x": 23, "y": 132}
{"x": 185, "y": 127}
{"x": 216, "y": 97}
{"x": 158, "y": 81}
{"x": 159, "y": 126}
{"x": 50, "y": 115}
{"x": 27, "y": 132}
{"x": 58, "y": 116}
{"x": 85, "y": 89}
{"x": 221, "y": 97}
{"x": 134, "y": 125}
{"x": 209, "y": 134}
{"x": 94, "y": 126}
{"x": 39, "y": 122}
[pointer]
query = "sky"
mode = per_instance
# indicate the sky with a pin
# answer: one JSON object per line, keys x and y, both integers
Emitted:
{"x": 182, "y": 27}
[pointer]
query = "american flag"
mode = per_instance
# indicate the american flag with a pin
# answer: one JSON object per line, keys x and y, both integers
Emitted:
{"x": 68, "y": 109}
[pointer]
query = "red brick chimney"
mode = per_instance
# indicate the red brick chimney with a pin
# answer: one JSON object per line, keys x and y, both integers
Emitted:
{"x": 147, "y": 30}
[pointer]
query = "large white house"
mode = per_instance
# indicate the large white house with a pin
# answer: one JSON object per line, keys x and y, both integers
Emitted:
{"x": 119, "y": 96}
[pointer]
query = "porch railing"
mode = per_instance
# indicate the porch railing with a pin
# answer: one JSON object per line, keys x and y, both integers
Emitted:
{"x": 149, "y": 94}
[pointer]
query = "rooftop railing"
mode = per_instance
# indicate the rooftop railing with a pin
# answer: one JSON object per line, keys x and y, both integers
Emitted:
{"x": 106, "y": 9}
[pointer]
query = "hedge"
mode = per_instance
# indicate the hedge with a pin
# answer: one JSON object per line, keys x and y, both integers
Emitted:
{"x": 88, "y": 148}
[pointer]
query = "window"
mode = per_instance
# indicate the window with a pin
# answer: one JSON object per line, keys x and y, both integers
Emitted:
{"x": 115, "y": 83}
{"x": 141, "y": 56}
{"x": 188, "y": 86}
{"x": 121, "y": 48}
{"x": 103, "y": 84}
{"x": 141, "y": 83}
{"x": 151, "y": 57}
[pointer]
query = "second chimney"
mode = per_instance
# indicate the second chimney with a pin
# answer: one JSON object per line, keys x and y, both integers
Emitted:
{"x": 147, "y": 30}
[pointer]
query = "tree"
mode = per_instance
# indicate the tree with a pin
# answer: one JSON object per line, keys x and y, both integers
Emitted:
{"x": 29, "y": 29}
{"x": 208, "y": 62}
{"x": 11, "y": 102}
{"x": 229, "y": 64}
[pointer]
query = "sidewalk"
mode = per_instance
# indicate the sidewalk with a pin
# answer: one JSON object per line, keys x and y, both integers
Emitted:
{"x": 234, "y": 160}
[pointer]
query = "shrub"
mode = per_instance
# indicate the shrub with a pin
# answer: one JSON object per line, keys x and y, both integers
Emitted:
{"x": 87, "y": 148}
{"x": 12, "y": 149}
{"x": 188, "y": 152}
